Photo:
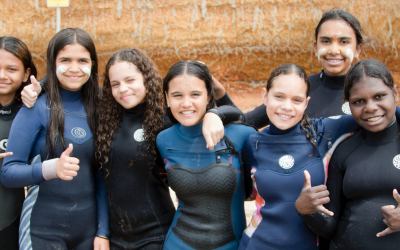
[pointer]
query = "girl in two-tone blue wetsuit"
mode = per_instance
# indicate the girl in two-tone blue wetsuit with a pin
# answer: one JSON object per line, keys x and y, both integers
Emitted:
{"x": 209, "y": 184}
{"x": 293, "y": 143}
{"x": 364, "y": 171}
{"x": 55, "y": 137}
{"x": 16, "y": 65}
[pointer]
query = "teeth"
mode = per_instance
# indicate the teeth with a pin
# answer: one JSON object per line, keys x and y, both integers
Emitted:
{"x": 374, "y": 119}
{"x": 187, "y": 112}
{"x": 334, "y": 61}
{"x": 284, "y": 116}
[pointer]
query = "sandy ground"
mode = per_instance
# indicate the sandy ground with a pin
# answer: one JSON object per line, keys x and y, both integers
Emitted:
{"x": 249, "y": 206}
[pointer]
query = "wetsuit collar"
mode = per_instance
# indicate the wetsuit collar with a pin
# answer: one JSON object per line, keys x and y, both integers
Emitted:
{"x": 332, "y": 82}
{"x": 385, "y": 136}
{"x": 70, "y": 96}
{"x": 192, "y": 131}
{"x": 273, "y": 130}
{"x": 137, "y": 110}
{"x": 9, "y": 109}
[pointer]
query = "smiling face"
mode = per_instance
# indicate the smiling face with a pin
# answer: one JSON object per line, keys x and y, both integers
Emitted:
{"x": 372, "y": 103}
{"x": 286, "y": 101}
{"x": 336, "y": 46}
{"x": 188, "y": 98}
{"x": 73, "y": 65}
{"x": 127, "y": 84}
{"x": 12, "y": 74}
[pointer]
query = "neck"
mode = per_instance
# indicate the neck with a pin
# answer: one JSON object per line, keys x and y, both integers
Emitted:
{"x": 6, "y": 99}
{"x": 273, "y": 130}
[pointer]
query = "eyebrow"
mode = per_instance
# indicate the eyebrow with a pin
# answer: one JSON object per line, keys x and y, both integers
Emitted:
{"x": 194, "y": 91}
{"x": 340, "y": 37}
{"x": 78, "y": 58}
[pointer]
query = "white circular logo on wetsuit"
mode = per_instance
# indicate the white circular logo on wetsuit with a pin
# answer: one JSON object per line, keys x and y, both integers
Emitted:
{"x": 335, "y": 117}
{"x": 346, "y": 108}
{"x": 3, "y": 144}
{"x": 396, "y": 161}
{"x": 139, "y": 135}
{"x": 78, "y": 132}
{"x": 286, "y": 161}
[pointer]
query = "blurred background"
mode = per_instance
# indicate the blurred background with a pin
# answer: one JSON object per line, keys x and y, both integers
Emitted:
{"x": 240, "y": 40}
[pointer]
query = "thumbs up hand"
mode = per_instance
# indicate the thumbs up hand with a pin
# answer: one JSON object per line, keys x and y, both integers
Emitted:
{"x": 67, "y": 167}
{"x": 30, "y": 93}
{"x": 311, "y": 199}
{"x": 391, "y": 216}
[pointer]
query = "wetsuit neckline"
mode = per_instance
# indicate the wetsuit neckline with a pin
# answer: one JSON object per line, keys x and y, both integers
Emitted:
{"x": 191, "y": 131}
{"x": 273, "y": 130}
{"x": 70, "y": 96}
{"x": 137, "y": 110}
{"x": 387, "y": 135}
{"x": 9, "y": 109}
{"x": 332, "y": 82}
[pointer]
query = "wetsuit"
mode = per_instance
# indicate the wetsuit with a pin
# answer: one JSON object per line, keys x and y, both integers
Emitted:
{"x": 141, "y": 209}
{"x": 209, "y": 186}
{"x": 363, "y": 172}
{"x": 57, "y": 214}
{"x": 11, "y": 199}
{"x": 280, "y": 160}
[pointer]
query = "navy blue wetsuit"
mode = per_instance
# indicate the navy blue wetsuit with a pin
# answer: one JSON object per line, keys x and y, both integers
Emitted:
{"x": 209, "y": 186}
{"x": 11, "y": 199}
{"x": 57, "y": 214}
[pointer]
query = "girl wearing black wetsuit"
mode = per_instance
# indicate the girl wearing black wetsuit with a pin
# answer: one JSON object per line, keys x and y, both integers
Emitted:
{"x": 16, "y": 65}
{"x": 364, "y": 171}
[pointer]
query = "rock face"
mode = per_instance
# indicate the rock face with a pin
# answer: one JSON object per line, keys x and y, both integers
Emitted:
{"x": 240, "y": 40}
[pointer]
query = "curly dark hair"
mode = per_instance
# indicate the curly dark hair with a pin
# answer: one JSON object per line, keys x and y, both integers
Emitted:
{"x": 110, "y": 111}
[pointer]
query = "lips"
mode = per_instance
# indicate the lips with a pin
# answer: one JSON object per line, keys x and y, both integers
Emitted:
{"x": 187, "y": 112}
{"x": 334, "y": 61}
{"x": 374, "y": 120}
{"x": 284, "y": 117}
{"x": 125, "y": 97}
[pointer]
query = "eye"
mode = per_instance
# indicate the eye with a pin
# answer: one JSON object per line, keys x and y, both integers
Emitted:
{"x": 325, "y": 41}
{"x": 83, "y": 61}
{"x": 12, "y": 69}
{"x": 298, "y": 100}
{"x": 195, "y": 94}
{"x": 130, "y": 80}
{"x": 278, "y": 96}
{"x": 114, "y": 85}
{"x": 358, "y": 102}
{"x": 345, "y": 42}
{"x": 379, "y": 96}
{"x": 176, "y": 95}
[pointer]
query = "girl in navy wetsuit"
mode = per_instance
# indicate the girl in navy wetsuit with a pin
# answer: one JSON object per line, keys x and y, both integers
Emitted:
{"x": 293, "y": 143}
{"x": 16, "y": 65}
{"x": 55, "y": 137}
{"x": 209, "y": 184}
{"x": 364, "y": 171}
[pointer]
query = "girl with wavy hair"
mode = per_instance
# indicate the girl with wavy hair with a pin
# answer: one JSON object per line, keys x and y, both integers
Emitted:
{"x": 16, "y": 67}
{"x": 55, "y": 137}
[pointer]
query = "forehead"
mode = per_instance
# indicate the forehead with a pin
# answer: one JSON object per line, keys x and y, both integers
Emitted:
{"x": 186, "y": 83}
{"x": 8, "y": 58}
{"x": 74, "y": 51}
{"x": 291, "y": 85}
{"x": 336, "y": 27}
{"x": 122, "y": 69}
{"x": 368, "y": 86}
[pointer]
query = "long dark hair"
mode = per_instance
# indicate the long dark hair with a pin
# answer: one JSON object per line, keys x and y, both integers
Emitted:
{"x": 287, "y": 69}
{"x": 90, "y": 90}
{"x": 21, "y": 51}
{"x": 338, "y": 14}
{"x": 367, "y": 68}
{"x": 110, "y": 111}
{"x": 196, "y": 69}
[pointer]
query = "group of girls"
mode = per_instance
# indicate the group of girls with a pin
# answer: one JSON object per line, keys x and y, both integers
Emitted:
{"x": 98, "y": 167}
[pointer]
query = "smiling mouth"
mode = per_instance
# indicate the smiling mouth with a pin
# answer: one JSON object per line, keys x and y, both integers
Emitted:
{"x": 187, "y": 112}
{"x": 285, "y": 116}
{"x": 334, "y": 60}
{"x": 374, "y": 119}
{"x": 125, "y": 97}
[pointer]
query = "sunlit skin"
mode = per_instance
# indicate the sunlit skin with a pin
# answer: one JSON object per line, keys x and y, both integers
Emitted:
{"x": 127, "y": 84}
{"x": 373, "y": 104}
{"x": 74, "y": 57}
{"x": 188, "y": 98}
{"x": 286, "y": 101}
{"x": 335, "y": 37}
{"x": 12, "y": 74}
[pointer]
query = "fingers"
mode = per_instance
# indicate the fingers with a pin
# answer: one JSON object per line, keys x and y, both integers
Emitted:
{"x": 384, "y": 232}
{"x": 35, "y": 85}
{"x": 396, "y": 196}
{"x": 2, "y": 155}
{"x": 322, "y": 209}
{"x": 68, "y": 151}
{"x": 209, "y": 141}
{"x": 307, "y": 181}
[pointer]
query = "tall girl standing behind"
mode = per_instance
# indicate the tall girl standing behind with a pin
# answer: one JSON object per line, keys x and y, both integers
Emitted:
{"x": 55, "y": 136}
{"x": 16, "y": 65}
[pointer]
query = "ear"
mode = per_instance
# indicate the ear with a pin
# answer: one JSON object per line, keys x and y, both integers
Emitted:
{"x": 307, "y": 100}
{"x": 167, "y": 97}
{"x": 396, "y": 94}
{"x": 26, "y": 74}
{"x": 358, "y": 50}
{"x": 264, "y": 96}
{"x": 315, "y": 49}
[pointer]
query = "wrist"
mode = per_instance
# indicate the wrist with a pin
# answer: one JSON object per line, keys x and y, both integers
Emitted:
{"x": 49, "y": 169}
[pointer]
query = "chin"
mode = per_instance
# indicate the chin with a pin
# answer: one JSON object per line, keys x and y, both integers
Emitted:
{"x": 189, "y": 123}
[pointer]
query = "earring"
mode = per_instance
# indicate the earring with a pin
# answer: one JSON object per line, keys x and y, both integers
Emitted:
{"x": 168, "y": 105}
{"x": 356, "y": 56}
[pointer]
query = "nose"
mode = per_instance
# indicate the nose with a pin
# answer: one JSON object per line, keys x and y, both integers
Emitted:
{"x": 74, "y": 68}
{"x": 2, "y": 74}
{"x": 334, "y": 49}
{"x": 122, "y": 87}
{"x": 287, "y": 105}
{"x": 186, "y": 102}
{"x": 371, "y": 107}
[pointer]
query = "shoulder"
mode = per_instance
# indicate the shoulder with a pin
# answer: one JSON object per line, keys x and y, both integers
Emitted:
{"x": 38, "y": 111}
{"x": 241, "y": 131}
{"x": 346, "y": 147}
{"x": 165, "y": 134}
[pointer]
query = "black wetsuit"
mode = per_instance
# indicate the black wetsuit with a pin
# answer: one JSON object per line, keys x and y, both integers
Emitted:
{"x": 140, "y": 206}
{"x": 11, "y": 199}
{"x": 362, "y": 174}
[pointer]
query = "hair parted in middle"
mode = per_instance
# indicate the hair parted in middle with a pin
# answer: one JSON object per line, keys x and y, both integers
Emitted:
{"x": 287, "y": 69}
{"x": 110, "y": 111}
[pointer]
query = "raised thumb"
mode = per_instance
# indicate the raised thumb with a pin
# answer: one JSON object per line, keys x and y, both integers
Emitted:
{"x": 35, "y": 85}
{"x": 396, "y": 196}
{"x": 68, "y": 151}
{"x": 307, "y": 180}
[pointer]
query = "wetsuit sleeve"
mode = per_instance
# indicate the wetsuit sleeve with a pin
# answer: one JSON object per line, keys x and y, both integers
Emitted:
{"x": 23, "y": 135}
{"x": 102, "y": 204}
{"x": 226, "y": 100}
{"x": 248, "y": 162}
{"x": 257, "y": 117}
{"x": 321, "y": 224}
